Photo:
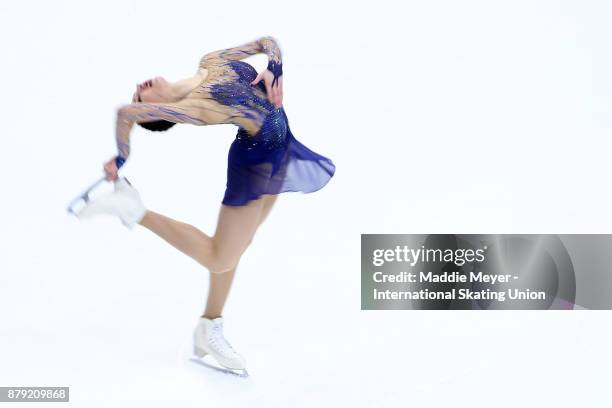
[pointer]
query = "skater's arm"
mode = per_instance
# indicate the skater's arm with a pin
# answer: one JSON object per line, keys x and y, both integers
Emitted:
{"x": 196, "y": 112}
{"x": 266, "y": 45}
{"x": 271, "y": 75}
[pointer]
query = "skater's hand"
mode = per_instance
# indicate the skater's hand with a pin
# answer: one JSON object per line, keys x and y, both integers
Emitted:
{"x": 110, "y": 169}
{"x": 275, "y": 93}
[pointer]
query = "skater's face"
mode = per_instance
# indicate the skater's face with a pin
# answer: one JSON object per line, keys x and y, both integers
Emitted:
{"x": 153, "y": 90}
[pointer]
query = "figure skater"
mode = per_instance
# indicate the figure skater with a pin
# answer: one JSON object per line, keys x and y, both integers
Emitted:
{"x": 264, "y": 160}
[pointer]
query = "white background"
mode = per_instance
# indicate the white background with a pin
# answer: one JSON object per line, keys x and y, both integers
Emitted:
{"x": 441, "y": 116}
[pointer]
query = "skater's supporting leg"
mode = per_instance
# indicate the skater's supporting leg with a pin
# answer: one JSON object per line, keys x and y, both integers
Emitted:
{"x": 236, "y": 227}
{"x": 218, "y": 290}
{"x": 220, "y": 253}
{"x": 269, "y": 201}
{"x": 220, "y": 284}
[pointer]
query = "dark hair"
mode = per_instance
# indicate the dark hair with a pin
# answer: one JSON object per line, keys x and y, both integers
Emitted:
{"x": 157, "y": 126}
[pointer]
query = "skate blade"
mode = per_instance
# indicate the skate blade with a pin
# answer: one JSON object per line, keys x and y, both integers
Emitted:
{"x": 81, "y": 201}
{"x": 224, "y": 370}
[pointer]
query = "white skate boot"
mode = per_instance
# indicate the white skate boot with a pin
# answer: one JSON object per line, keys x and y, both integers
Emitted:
{"x": 124, "y": 203}
{"x": 208, "y": 339}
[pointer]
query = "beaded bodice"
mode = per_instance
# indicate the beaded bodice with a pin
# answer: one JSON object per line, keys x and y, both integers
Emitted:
{"x": 252, "y": 100}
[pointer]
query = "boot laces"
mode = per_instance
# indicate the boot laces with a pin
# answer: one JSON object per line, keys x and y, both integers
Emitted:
{"x": 218, "y": 340}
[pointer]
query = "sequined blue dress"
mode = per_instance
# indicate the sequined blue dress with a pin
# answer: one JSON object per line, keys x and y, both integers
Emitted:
{"x": 273, "y": 161}
{"x": 266, "y": 158}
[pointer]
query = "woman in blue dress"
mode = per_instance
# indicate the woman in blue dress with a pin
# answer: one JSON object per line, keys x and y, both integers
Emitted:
{"x": 264, "y": 160}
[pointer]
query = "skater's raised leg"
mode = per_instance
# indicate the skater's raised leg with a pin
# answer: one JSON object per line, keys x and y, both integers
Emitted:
{"x": 219, "y": 253}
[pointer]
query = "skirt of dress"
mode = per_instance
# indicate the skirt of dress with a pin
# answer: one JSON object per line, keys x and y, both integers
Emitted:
{"x": 271, "y": 162}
